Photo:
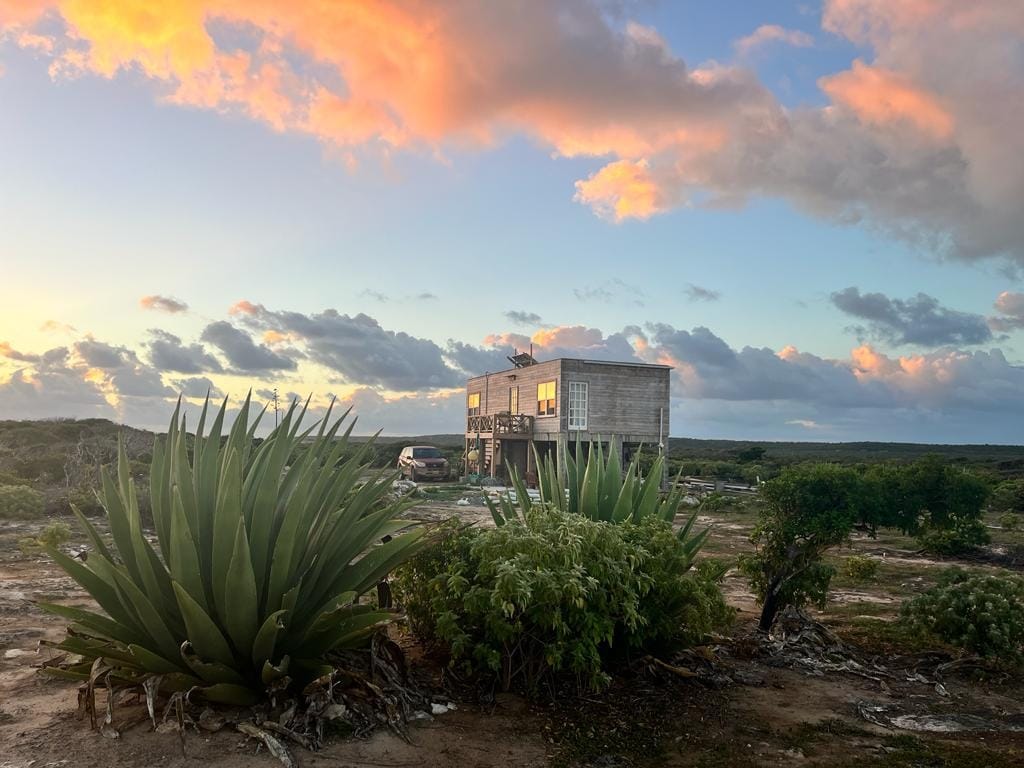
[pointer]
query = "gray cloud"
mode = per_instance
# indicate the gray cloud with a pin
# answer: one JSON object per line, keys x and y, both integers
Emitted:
{"x": 197, "y": 386}
{"x": 523, "y": 318}
{"x": 242, "y": 353}
{"x": 163, "y": 304}
{"x": 918, "y": 320}
{"x": 168, "y": 353}
{"x": 697, "y": 293}
{"x": 1010, "y": 307}
{"x": 359, "y": 349}
{"x": 614, "y": 290}
{"x": 377, "y": 296}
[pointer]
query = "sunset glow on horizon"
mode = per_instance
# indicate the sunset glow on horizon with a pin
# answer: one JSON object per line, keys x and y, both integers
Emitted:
{"x": 813, "y": 213}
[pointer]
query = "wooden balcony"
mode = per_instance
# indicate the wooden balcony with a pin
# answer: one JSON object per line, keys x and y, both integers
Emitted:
{"x": 501, "y": 425}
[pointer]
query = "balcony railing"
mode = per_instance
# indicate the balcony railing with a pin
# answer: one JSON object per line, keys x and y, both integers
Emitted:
{"x": 500, "y": 424}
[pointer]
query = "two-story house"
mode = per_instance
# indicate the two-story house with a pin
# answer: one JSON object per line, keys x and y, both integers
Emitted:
{"x": 550, "y": 403}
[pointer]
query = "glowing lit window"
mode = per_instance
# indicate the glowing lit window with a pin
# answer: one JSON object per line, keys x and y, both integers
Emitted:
{"x": 546, "y": 399}
{"x": 513, "y": 399}
{"x": 473, "y": 404}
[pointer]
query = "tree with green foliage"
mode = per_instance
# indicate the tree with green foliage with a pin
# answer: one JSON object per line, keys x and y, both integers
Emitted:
{"x": 262, "y": 552}
{"x": 807, "y": 510}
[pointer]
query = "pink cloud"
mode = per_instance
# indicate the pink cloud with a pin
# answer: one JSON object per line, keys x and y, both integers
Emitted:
{"x": 769, "y": 33}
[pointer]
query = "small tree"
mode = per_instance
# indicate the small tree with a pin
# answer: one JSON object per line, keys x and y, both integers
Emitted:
{"x": 807, "y": 510}
{"x": 1008, "y": 496}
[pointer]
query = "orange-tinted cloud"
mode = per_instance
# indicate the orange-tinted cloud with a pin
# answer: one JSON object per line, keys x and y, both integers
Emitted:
{"x": 623, "y": 190}
{"x": 881, "y": 97}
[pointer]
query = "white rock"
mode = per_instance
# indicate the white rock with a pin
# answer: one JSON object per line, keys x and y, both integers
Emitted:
{"x": 15, "y": 653}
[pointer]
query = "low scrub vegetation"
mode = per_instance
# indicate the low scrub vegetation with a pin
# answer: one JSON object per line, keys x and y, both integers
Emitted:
{"x": 552, "y": 591}
{"x": 983, "y": 614}
{"x": 860, "y": 568}
{"x": 53, "y": 536}
{"x": 262, "y": 553}
{"x": 19, "y": 502}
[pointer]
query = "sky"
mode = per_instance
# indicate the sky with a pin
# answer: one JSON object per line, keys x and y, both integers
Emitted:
{"x": 814, "y": 212}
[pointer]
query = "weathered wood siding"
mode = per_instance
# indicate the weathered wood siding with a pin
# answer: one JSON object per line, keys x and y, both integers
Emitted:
{"x": 624, "y": 400}
{"x": 628, "y": 401}
{"x": 493, "y": 389}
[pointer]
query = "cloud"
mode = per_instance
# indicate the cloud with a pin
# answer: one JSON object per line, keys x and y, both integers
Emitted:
{"x": 611, "y": 291}
{"x": 917, "y": 320}
{"x": 519, "y": 317}
{"x": 197, "y": 387}
{"x": 358, "y": 348}
{"x": 6, "y": 350}
{"x": 168, "y": 353}
{"x": 919, "y": 139}
{"x": 163, "y": 304}
{"x": 375, "y": 295}
{"x": 54, "y": 326}
{"x": 697, "y": 293}
{"x": 1010, "y": 307}
{"x": 426, "y": 296}
{"x": 242, "y": 353}
{"x": 770, "y": 33}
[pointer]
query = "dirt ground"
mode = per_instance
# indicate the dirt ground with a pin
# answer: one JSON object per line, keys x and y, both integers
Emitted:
{"x": 736, "y": 703}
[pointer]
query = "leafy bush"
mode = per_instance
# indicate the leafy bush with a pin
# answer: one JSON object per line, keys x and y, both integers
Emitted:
{"x": 982, "y": 614}
{"x": 860, "y": 568}
{"x": 807, "y": 510}
{"x": 19, "y": 502}
{"x": 1008, "y": 496}
{"x": 262, "y": 553}
{"x": 551, "y": 591}
{"x": 1010, "y": 521}
{"x": 963, "y": 536}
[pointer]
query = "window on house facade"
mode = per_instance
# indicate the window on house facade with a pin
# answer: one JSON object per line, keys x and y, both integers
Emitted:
{"x": 578, "y": 405}
{"x": 513, "y": 399}
{"x": 546, "y": 398}
{"x": 473, "y": 404}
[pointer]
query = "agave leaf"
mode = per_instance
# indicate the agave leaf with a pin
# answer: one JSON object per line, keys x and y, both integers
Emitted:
{"x": 266, "y": 637}
{"x": 202, "y": 631}
{"x": 241, "y": 615}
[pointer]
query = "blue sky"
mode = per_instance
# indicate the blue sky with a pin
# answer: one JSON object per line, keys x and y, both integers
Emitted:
{"x": 111, "y": 192}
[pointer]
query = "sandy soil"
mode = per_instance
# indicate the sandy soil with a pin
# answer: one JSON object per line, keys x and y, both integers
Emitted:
{"x": 748, "y": 710}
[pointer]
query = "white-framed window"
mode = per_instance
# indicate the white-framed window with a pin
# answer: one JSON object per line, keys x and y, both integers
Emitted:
{"x": 578, "y": 405}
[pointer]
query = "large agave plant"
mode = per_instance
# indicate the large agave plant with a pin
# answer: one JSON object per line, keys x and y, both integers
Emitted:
{"x": 601, "y": 490}
{"x": 262, "y": 552}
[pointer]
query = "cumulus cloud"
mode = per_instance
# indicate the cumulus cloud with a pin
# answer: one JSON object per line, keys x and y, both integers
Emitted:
{"x": 1010, "y": 308}
{"x": 773, "y": 33}
{"x": 920, "y": 319}
{"x": 919, "y": 139}
{"x": 358, "y": 348}
{"x": 698, "y": 293}
{"x": 167, "y": 352}
{"x": 242, "y": 353}
{"x": 197, "y": 387}
{"x": 163, "y": 304}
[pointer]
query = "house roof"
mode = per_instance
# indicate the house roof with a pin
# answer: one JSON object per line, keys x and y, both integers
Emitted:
{"x": 622, "y": 364}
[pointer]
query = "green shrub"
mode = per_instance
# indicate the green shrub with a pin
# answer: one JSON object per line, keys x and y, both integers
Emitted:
{"x": 54, "y": 536}
{"x": 1010, "y": 521}
{"x": 980, "y": 613}
{"x": 963, "y": 536}
{"x": 552, "y": 591}
{"x": 19, "y": 502}
{"x": 262, "y": 553}
{"x": 860, "y": 568}
{"x": 807, "y": 509}
{"x": 1008, "y": 496}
